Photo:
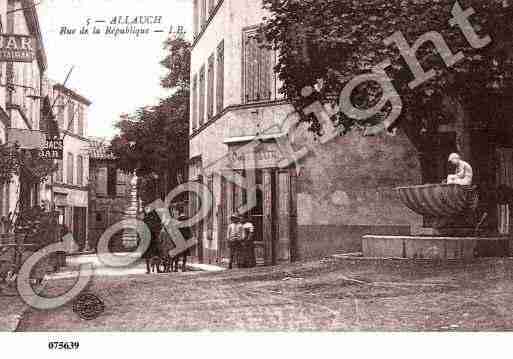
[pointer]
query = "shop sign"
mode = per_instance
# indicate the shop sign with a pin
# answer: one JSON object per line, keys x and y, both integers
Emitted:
{"x": 52, "y": 149}
{"x": 17, "y": 48}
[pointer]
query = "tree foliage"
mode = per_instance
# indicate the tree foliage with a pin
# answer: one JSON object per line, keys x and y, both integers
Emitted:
{"x": 155, "y": 140}
{"x": 177, "y": 63}
{"x": 336, "y": 40}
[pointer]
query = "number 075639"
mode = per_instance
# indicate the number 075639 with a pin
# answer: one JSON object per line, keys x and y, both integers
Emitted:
{"x": 63, "y": 345}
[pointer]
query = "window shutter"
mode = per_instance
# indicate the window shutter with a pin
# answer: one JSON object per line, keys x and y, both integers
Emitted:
{"x": 202, "y": 96}
{"x": 210, "y": 90}
{"x": 203, "y": 12}
{"x": 70, "y": 168}
{"x": 101, "y": 181}
{"x": 265, "y": 74}
{"x": 195, "y": 102}
{"x": 60, "y": 171}
{"x": 111, "y": 181}
{"x": 220, "y": 77}
{"x": 258, "y": 69}
{"x": 71, "y": 112}
{"x": 196, "y": 16}
{"x": 80, "y": 170}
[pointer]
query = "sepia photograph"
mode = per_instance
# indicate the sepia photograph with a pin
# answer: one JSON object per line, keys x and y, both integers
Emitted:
{"x": 232, "y": 168}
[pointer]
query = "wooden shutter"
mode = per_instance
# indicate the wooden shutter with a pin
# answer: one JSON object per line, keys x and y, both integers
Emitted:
{"x": 80, "y": 120}
{"x": 60, "y": 170}
{"x": 203, "y": 12}
{"x": 70, "y": 168}
{"x": 210, "y": 89}
{"x": 250, "y": 68}
{"x": 71, "y": 115}
{"x": 220, "y": 77}
{"x": 112, "y": 181}
{"x": 196, "y": 16}
{"x": 101, "y": 181}
{"x": 194, "y": 110}
{"x": 60, "y": 115}
{"x": 264, "y": 74}
{"x": 202, "y": 96}
{"x": 80, "y": 170}
{"x": 258, "y": 69}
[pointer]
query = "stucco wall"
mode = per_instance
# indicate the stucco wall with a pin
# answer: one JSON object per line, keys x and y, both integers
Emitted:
{"x": 228, "y": 24}
{"x": 351, "y": 181}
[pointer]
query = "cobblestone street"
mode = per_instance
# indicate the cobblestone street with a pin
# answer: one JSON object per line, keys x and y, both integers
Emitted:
{"x": 334, "y": 294}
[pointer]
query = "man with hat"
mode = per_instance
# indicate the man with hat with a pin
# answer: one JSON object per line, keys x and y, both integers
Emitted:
{"x": 234, "y": 237}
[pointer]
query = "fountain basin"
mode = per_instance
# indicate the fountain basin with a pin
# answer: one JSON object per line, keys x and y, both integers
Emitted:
{"x": 438, "y": 200}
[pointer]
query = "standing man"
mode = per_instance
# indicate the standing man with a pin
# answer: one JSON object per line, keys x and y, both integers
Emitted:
{"x": 234, "y": 237}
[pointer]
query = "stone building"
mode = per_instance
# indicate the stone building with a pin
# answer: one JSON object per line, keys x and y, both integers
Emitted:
{"x": 109, "y": 196}
{"x": 68, "y": 188}
{"x": 20, "y": 103}
{"x": 311, "y": 208}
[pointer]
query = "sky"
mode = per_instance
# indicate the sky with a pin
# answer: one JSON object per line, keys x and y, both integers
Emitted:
{"x": 118, "y": 74}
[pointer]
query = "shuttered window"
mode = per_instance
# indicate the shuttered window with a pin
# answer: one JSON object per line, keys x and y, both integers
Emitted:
{"x": 210, "y": 88}
{"x": 112, "y": 181}
{"x": 202, "y": 95}
{"x": 220, "y": 77}
{"x": 203, "y": 12}
{"x": 80, "y": 170}
{"x": 258, "y": 72}
{"x": 69, "y": 169}
{"x": 80, "y": 120}
{"x": 71, "y": 117}
{"x": 60, "y": 114}
{"x": 101, "y": 181}
{"x": 194, "y": 110}
{"x": 60, "y": 170}
{"x": 196, "y": 18}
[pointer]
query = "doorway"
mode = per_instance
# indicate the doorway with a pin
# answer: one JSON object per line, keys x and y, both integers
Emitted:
{"x": 79, "y": 226}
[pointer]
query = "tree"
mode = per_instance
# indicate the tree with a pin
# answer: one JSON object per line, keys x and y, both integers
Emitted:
{"x": 335, "y": 40}
{"x": 177, "y": 62}
{"x": 155, "y": 141}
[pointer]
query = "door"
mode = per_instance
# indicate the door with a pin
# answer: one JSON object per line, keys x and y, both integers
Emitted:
{"x": 79, "y": 226}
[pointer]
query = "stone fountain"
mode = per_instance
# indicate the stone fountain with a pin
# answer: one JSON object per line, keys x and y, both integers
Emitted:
{"x": 129, "y": 237}
{"x": 451, "y": 225}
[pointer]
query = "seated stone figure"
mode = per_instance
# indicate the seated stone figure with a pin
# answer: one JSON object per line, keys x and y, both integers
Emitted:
{"x": 463, "y": 175}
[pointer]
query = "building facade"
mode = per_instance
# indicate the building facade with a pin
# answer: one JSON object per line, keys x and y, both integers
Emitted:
{"x": 109, "y": 193}
{"x": 20, "y": 95}
{"x": 308, "y": 209}
{"x": 68, "y": 188}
